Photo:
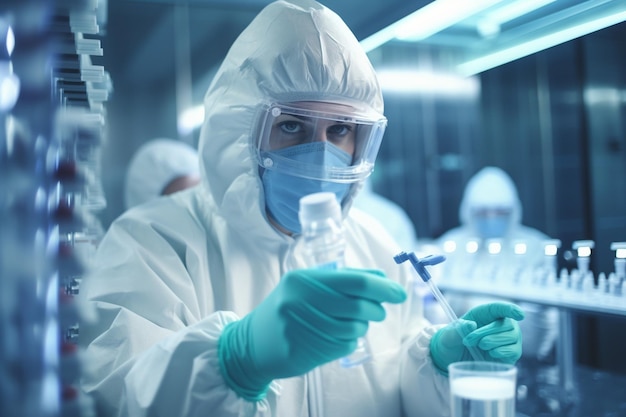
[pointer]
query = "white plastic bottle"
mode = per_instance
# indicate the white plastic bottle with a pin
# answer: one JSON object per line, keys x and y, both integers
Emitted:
{"x": 324, "y": 242}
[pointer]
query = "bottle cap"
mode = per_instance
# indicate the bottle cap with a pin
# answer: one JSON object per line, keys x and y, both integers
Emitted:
{"x": 319, "y": 206}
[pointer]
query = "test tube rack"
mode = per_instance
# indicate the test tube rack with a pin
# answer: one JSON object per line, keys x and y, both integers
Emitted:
{"x": 575, "y": 289}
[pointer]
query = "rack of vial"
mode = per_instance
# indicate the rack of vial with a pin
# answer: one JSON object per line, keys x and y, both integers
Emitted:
{"x": 51, "y": 129}
{"x": 518, "y": 274}
{"x": 528, "y": 273}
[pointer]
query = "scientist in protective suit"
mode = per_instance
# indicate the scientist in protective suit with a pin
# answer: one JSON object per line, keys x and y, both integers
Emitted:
{"x": 204, "y": 300}
{"x": 160, "y": 167}
{"x": 491, "y": 209}
{"x": 390, "y": 214}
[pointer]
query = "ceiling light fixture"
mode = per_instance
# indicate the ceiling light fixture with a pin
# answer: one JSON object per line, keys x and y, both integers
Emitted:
{"x": 489, "y": 26}
{"x": 425, "y": 22}
{"x": 190, "y": 119}
{"x": 428, "y": 82}
{"x": 510, "y": 11}
{"x": 539, "y": 43}
{"x": 439, "y": 15}
{"x": 501, "y": 43}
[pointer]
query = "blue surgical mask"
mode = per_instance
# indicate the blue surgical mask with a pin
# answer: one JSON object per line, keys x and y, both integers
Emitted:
{"x": 283, "y": 191}
{"x": 492, "y": 227}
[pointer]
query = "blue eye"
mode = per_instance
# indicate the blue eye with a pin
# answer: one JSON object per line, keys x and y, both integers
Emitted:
{"x": 290, "y": 126}
{"x": 339, "y": 130}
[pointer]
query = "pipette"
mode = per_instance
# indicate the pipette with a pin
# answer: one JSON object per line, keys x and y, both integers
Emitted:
{"x": 420, "y": 268}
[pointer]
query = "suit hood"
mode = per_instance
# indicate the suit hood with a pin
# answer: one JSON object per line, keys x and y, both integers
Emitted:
{"x": 294, "y": 50}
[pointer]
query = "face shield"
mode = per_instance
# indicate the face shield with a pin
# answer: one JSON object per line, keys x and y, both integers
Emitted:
{"x": 351, "y": 139}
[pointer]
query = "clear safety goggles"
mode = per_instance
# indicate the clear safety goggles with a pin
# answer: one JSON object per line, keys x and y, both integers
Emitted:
{"x": 355, "y": 135}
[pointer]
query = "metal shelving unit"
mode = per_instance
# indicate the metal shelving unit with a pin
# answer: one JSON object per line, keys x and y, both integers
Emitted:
{"x": 51, "y": 128}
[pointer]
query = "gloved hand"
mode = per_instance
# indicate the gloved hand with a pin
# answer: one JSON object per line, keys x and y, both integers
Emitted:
{"x": 313, "y": 316}
{"x": 491, "y": 327}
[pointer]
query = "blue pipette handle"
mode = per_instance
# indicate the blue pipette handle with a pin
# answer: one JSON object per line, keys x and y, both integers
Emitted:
{"x": 420, "y": 268}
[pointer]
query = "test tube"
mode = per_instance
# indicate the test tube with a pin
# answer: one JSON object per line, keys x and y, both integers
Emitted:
{"x": 550, "y": 250}
{"x": 469, "y": 260}
{"x": 450, "y": 249}
{"x": 420, "y": 268}
{"x": 620, "y": 259}
{"x": 583, "y": 250}
{"x": 520, "y": 249}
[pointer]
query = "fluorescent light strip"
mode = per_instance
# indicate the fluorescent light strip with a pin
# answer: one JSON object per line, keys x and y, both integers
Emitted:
{"x": 489, "y": 26}
{"x": 10, "y": 40}
{"x": 514, "y": 10}
{"x": 379, "y": 38}
{"x": 606, "y": 95}
{"x": 439, "y": 15}
{"x": 439, "y": 84}
{"x": 425, "y": 22}
{"x": 523, "y": 49}
{"x": 190, "y": 119}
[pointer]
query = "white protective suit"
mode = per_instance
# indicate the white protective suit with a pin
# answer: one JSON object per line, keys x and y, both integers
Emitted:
{"x": 170, "y": 275}
{"x": 492, "y": 187}
{"x": 155, "y": 164}
{"x": 391, "y": 215}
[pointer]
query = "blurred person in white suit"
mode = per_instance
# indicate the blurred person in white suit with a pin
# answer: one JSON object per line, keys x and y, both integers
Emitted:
{"x": 491, "y": 210}
{"x": 390, "y": 214}
{"x": 160, "y": 167}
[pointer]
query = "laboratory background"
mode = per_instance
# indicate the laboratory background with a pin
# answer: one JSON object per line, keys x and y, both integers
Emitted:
{"x": 534, "y": 87}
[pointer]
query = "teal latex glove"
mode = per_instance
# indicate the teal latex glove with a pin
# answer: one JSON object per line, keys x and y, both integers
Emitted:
{"x": 312, "y": 317}
{"x": 491, "y": 327}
